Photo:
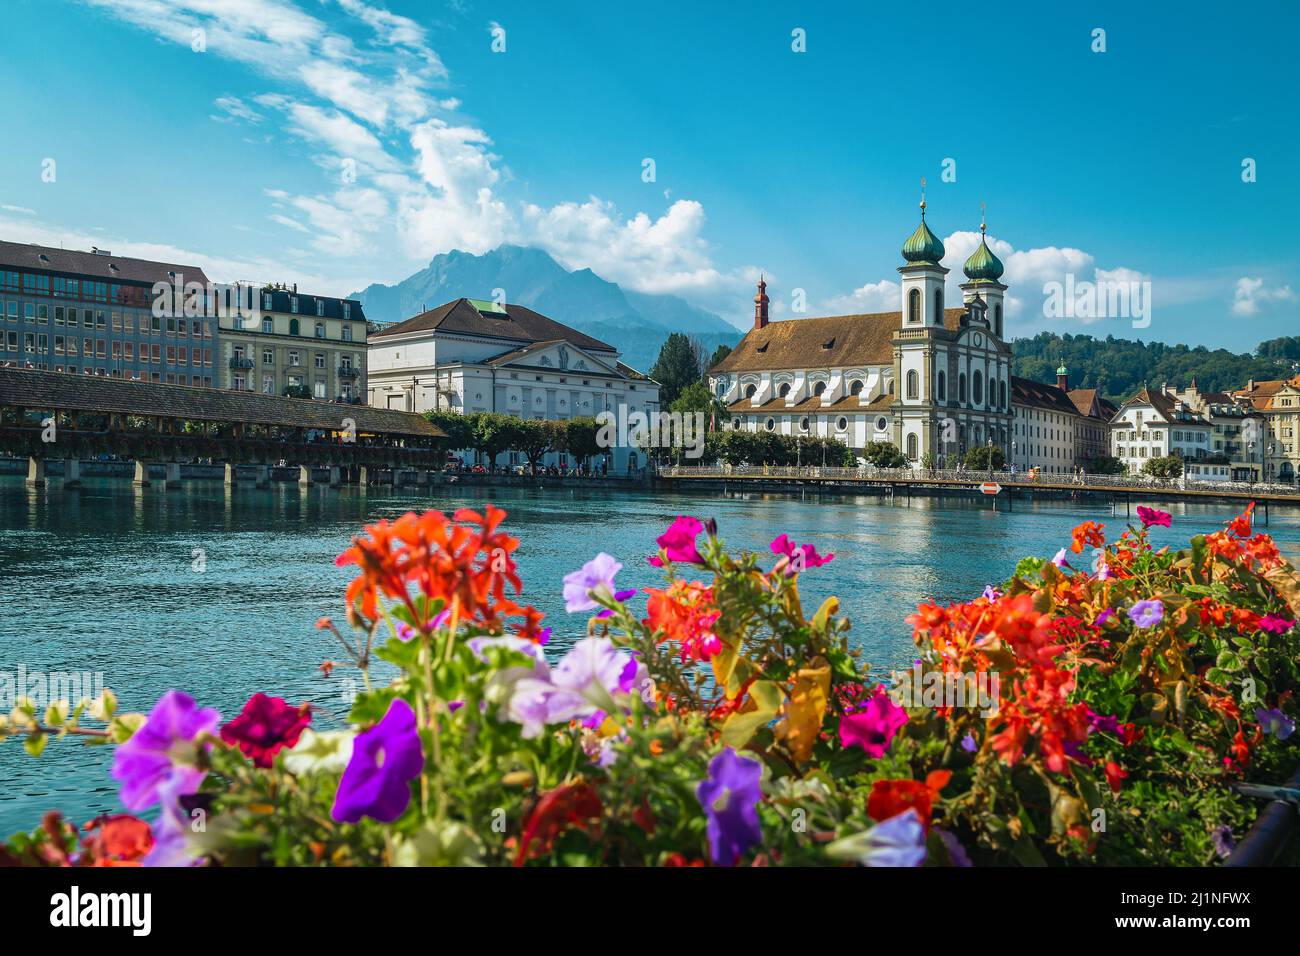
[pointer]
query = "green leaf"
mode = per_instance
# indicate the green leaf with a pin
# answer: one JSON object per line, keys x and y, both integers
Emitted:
{"x": 34, "y": 744}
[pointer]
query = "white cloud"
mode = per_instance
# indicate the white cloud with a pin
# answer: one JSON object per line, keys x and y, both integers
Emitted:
{"x": 432, "y": 180}
{"x": 1251, "y": 293}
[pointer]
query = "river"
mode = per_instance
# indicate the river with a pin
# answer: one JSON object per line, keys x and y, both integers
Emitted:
{"x": 216, "y": 592}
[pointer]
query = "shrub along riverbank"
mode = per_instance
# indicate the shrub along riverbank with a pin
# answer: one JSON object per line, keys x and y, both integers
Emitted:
{"x": 1093, "y": 709}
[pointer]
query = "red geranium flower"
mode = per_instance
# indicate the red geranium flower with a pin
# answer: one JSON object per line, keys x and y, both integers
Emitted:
{"x": 889, "y": 798}
{"x": 265, "y": 726}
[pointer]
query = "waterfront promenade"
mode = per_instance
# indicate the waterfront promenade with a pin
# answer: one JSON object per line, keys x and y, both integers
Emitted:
{"x": 1002, "y": 485}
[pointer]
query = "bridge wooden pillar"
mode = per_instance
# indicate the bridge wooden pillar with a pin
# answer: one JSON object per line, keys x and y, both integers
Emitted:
{"x": 35, "y": 472}
{"x": 72, "y": 473}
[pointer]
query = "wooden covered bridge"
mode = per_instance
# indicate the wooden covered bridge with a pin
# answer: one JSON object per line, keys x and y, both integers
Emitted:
{"x": 51, "y": 416}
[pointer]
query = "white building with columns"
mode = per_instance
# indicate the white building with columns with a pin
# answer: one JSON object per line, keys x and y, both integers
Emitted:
{"x": 470, "y": 355}
{"x": 930, "y": 379}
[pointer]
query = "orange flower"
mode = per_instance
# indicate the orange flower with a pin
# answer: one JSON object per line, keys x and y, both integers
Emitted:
{"x": 889, "y": 798}
{"x": 685, "y": 613}
{"x": 448, "y": 559}
{"x": 120, "y": 840}
{"x": 1088, "y": 534}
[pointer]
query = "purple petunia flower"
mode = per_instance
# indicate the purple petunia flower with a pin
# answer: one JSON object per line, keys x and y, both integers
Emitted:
{"x": 956, "y": 852}
{"x": 898, "y": 841}
{"x": 1147, "y": 613}
{"x": 991, "y": 593}
{"x": 597, "y": 573}
{"x": 1275, "y": 722}
{"x": 968, "y": 744}
{"x": 1108, "y": 723}
{"x": 594, "y": 675}
{"x": 148, "y": 761}
{"x": 730, "y": 797}
{"x": 1062, "y": 559}
{"x": 385, "y": 759}
{"x": 1104, "y": 616}
{"x": 1223, "y": 841}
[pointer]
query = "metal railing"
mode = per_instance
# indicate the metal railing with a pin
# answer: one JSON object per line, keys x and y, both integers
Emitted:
{"x": 972, "y": 477}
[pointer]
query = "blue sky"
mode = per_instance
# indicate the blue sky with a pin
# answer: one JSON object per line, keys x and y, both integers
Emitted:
{"x": 339, "y": 142}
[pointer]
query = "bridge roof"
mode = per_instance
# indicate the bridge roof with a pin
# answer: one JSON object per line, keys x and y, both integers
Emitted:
{"x": 62, "y": 391}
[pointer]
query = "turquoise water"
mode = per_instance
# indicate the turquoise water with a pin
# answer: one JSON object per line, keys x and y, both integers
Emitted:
{"x": 105, "y": 579}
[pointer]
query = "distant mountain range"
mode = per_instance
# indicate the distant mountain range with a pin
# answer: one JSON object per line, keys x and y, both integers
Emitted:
{"x": 636, "y": 323}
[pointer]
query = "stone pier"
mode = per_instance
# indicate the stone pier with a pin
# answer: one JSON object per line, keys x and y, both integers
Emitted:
{"x": 36, "y": 472}
{"x": 172, "y": 474}
{"x": 141, "y": 479}
{"x": 304, "y": 476}
{"x": 336, "y": 476}
{"x": 232, "y": 475}
{"x": 263, "y": 476}
{"x": 72, "y": 473}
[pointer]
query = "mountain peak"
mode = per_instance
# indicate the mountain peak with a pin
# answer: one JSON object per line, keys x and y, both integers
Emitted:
{"x": 635, "y": 322}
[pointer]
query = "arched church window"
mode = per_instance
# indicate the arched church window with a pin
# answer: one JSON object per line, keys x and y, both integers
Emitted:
{"x": 938, "y": 306}
{"x": 914, "y": 306}
{"x": 911, "y": 447}
{"x": 856, "y": 387}
{"x": 941, "y": 387}
{"x": 911, "y": 383}
{"x": 977, "y": 387}
{"x": 1002, "y": 395}
{"x": 819, "y": 388}
{"x": 961, "y": 387}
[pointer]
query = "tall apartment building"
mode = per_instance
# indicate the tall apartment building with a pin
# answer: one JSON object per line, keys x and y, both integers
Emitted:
{"x": 95, "y": 313}
{"x": 292, "y": 343}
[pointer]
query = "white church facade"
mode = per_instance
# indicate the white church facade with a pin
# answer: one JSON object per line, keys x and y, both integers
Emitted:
{"x": 470, "y": 355}
{"x": 933, "y": 380}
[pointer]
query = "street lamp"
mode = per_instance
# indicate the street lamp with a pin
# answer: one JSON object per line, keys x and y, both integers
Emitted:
{"x": 990, "y": 447}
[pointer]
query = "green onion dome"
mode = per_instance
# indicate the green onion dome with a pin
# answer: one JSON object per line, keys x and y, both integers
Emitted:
{"x": 983, "y": 265}
{"x": 923, "y": 245}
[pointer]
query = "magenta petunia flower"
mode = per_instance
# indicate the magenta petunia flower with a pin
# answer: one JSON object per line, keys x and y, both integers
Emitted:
{"x": 729, "y": 796}
{"x": 1147, "y": 613}
{"x": 1275, "y": 624}
{"x": 385, "y": 759}
{"x": 148, "y": 761}
{"x": 678, "y": 542}
{"x": 800, "y": 557}
{"x": 873, "y": 726}
{"x": 1154, "y": 516}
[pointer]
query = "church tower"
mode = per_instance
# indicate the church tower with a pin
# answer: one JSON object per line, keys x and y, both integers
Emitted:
{"x": 983, "y": 286}
{"x": 916, "y": 367}
{"x": 922, "y": 276}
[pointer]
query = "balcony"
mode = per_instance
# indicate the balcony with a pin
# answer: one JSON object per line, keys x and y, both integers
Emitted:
{"x": 237, "y": 362}
{"x": 347, "y": 371}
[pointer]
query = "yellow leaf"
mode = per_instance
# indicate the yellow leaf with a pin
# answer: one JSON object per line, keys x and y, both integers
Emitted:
{"x": 765, "y": 699}
{"x": 806, "y": 706}
{"x": 829, "y": 607}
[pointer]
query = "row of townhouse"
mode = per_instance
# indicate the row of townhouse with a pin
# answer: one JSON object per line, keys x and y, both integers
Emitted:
{"x": 95, "y": 313}
{"x": 1244, "y": 435}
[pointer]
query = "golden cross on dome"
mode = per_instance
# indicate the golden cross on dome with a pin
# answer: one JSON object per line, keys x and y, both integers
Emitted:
{"x": 922, "y": 197}
{"x": 983, "y": 218}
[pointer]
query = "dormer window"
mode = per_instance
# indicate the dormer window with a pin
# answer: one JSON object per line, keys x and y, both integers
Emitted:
{"x": 829, "y": 344}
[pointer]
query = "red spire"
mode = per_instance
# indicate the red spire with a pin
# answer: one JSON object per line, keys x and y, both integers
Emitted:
{"x": 760, "y": 305}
